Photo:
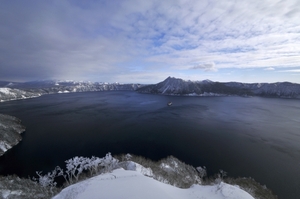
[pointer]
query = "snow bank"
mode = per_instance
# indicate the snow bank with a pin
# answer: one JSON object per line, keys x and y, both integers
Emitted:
{"x": 132, "y": 184}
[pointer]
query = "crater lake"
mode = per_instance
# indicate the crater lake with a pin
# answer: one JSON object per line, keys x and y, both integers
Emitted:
{"x": 246, "y": 137}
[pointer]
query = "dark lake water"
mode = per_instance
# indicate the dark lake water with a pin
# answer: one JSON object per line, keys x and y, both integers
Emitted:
{"x": 247, "y": 137}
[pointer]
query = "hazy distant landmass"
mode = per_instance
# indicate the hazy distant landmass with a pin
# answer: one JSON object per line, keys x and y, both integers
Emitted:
{"x": 170, "y": 86}
{"x": 10, "y": 130}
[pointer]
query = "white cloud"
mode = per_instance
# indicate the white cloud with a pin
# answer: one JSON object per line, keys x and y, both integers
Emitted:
{"x": 106, "y": 39}
{"x": 291, "y": 71}
{"x": 205, "y": 66}
{"x": 270, "y": 68}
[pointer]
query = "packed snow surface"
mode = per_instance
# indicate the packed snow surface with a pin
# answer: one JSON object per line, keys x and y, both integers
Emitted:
{"x": 132, "y": 184}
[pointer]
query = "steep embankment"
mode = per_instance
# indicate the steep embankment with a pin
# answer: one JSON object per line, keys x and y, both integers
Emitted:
{"x": 10, "y": 130}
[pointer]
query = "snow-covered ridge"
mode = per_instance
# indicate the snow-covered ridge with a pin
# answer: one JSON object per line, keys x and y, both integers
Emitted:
{"x": 7, "y": 94}
{"x": 176, "y": 86}
{"x": 122, "y": 183}
{"x": 15, "y": 91}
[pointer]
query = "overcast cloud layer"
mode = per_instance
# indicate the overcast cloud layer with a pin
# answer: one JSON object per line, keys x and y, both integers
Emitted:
{"x": 147, "y": 41}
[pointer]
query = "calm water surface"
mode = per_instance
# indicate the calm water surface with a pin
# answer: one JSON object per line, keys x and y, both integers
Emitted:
{"x": 257, "y": 137}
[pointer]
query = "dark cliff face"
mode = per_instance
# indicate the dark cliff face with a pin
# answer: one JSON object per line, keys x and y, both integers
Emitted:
{"x": 175, "y": 86}
{"x": 10, "y": 130}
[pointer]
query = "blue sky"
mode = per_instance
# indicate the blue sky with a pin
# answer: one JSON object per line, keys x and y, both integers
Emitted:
{"x": 138, "y": 41}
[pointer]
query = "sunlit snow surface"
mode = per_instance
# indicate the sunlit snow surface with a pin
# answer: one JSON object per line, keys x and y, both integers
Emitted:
{"x": 5, "y": 90}
{"x": 132, "y": 184}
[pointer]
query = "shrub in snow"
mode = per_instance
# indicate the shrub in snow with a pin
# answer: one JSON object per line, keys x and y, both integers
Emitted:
{"x": 48, "y": 179}
{"x": 254, "y": 188}
{"x": 171, "y": 171}
{"x": 15, "y": 187}
{"x": 202, "y": 171}
{"x": 93, "y": 165}
{"x": 109, "y": 163}
{"x": 222, "y": 174}
{"x": 128, "y": 157}
{"x": 178, "y": 173}
{"x": 74, "y": 167}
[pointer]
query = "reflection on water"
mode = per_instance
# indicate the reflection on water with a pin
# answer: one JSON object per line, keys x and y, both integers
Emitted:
{"x": 257, "y": 137}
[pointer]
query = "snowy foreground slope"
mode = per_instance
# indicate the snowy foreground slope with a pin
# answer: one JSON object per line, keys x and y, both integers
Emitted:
{"x": 133, "y": 184}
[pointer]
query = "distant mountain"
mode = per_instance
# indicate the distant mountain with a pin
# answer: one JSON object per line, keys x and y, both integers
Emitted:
{"x": 176, "y": 86}
{"x": 13, "y": 90}
{"x": 170, "y": 86}
{"x": 10, "y": 130}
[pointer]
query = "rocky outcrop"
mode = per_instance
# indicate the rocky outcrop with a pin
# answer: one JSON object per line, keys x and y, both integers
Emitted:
{"x": 10, "y": 130}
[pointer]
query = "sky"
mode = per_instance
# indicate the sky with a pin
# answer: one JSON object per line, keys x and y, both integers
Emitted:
{"x": 136, "y": 41}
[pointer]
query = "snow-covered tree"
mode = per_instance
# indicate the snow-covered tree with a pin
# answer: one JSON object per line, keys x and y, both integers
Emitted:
{"x": 48, "y": 179}
{"x": 75, "y": 167}
{"x": 109, "y": 163}
{"x": 93, "y": 165}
